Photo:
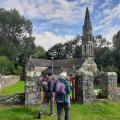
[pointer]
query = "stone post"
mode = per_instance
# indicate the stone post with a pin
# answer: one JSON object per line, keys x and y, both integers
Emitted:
{"x": 33, "y": 90}
{"x": 108, "y": 81}
{"x": 85, "y": 88}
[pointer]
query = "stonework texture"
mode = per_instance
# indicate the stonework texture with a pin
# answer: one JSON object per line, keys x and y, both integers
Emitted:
{"x": 108, "y": 81}
{"x": 89, "y": 65}
{"x": 6, "y": 81}
{"x": 33, "y": 91}
{"x": 16, "y": 99}
{"x": 85, "y": 87}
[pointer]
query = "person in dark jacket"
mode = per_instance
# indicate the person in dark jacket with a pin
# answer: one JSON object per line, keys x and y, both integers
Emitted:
{"x": 48, "y": 95}
{"x": 62, "y": 97}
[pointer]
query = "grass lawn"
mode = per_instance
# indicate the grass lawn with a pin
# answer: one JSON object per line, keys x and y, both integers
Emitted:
{"x": 94, "y": 111}
{"x": 16, "y": 88}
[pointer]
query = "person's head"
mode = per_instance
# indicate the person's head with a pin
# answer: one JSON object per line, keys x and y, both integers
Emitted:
{"x": 63, "y": 75}
{"x": 49, "y": 74}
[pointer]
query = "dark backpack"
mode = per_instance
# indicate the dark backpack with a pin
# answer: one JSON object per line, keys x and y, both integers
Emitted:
{"x": 60, "y": 87}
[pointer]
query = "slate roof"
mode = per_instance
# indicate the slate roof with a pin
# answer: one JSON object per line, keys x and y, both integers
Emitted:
{"x": 65, "y": 63}
{"x": 41, "y": 62}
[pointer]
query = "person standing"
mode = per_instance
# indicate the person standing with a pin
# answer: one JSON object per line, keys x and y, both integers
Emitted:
{"x": 48, "y": 85}
{"x": 62, "y": 91}
{"x": 72, "y": 80}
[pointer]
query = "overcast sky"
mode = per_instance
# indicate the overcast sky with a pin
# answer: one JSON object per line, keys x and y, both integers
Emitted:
{"x": 57, "y": 21}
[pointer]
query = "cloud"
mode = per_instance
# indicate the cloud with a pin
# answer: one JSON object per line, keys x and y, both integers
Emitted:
{"x": 109, "y": 15}
{"x": 105, "y": 4}
{"x": 56, "y": 15}
{"x": 60, "y": 10}
{"x": 48, "y": 39}
{"x": 110, "y": 32}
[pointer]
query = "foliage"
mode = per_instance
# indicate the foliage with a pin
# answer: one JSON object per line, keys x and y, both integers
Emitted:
{"x": 100, "y": 41}
{"x": 102, "y": 56}
{"x": 57, "y": 51}
{"x": 16, "y": 88}
{"x": 116, "y": 40}
{"x": 110, "y": 68}
{"x": 6, "y": 66}
{"x": 27, "y": 49}
{"x": 66, "y": 50}
{"x": 116, "y": 52}
{"x": 77, "y": 52}
{"x": 71, "y": 47}
{"x": 103, "y": 94}
{"x": 18, "y": 71}
{"x": 40, "y": 52}
{"x": 16, "y": 41}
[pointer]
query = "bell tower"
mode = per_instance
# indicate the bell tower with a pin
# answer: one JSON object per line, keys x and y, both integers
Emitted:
{"x": 87, "y": 40}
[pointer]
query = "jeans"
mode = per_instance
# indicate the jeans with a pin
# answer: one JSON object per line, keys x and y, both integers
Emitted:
{"x": 60, "y": 107}
{"x": 48, "y": 100}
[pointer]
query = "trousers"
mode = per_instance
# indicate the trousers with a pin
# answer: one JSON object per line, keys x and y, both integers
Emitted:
{"x": 66, "y": 108}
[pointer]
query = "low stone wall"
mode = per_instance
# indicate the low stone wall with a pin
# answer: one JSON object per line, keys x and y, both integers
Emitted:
{"x": 16, "y": 99}
{"x": 6, "y": 81}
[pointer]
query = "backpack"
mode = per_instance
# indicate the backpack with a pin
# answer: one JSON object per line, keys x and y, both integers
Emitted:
{"x": 48, "y": 86}
{"x": 45, "y": 86}
{"x": 60, "y": 87}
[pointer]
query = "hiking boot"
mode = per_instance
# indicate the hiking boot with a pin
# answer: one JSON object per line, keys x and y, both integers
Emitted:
{"x": 39, "y": 115}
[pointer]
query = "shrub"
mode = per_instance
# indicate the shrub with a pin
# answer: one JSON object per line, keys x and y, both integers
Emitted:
{"x": 103, "y": 94}
{"x": 6, "y": 66}
{"x": 111, "y": 68}
{"x": 18, "y": 71}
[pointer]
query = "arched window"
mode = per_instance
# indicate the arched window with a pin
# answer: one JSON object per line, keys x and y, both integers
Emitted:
{"x": 85, "y": 49}
{"x": 91, "y": 50}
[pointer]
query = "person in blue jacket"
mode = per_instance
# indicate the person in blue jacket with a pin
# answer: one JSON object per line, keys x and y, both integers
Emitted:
{"x": 62, "y": 90}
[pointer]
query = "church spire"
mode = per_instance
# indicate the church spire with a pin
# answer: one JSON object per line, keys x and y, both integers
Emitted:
{"x": 87, "y": 28}
{"x": 87, "y": 39}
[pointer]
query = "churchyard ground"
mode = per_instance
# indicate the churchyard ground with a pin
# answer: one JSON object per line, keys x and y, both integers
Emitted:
{"x": 94, "y": 111}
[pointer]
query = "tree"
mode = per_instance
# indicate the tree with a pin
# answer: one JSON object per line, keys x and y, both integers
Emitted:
{"x": 71, "y": 47}
{"x": 8, "y": 48}
{"x": 116, "y": 40}
{"x": 116, "y": 52}
{"x": 16, "y": 39}
{"x": 78, "y": 52}
{"x": 6, "y": 66}
{"x": 40, "y": 51}
{"x": 27, "y": 49}
{"x": 102, "y": 52}
{"x": 100, "y": 56}
{"x": 110, "y": 68}
{"x": 57, "y": 51}
{"x": 100, "y": 41}
{"x": 66, "y": 50}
